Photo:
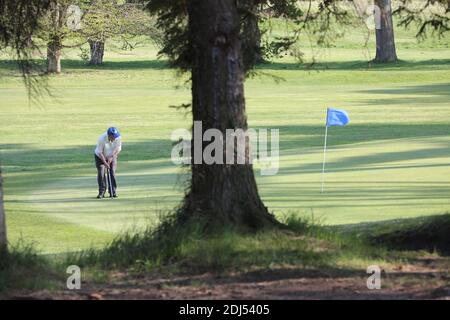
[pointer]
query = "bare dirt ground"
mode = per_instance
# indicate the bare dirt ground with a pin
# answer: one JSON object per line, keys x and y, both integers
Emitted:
{"x": 427, "y": 278}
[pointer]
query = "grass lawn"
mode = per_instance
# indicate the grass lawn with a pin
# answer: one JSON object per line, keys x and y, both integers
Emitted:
{"x": 392, "y": 161}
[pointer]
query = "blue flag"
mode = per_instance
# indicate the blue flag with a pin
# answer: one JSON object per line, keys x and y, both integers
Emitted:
{"x": 337, "y": 117}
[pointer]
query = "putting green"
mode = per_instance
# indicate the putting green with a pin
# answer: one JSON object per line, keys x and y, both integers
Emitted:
{"x": 391, "y": 161}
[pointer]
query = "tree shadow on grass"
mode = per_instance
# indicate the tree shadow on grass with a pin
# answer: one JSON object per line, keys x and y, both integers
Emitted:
{"x": 158, "y": 64}
{"x": 292, "y": 138}
{"x": 144, "y": 164}
{"x": 377, "y": 161}
{"x": 26, "y": 155}
{"x": 421, "y": 233}
{"x": 407, "y": 96}
{"x": 440, "y": 89}
{"x": 355, "y": 65}
{"x": 117, "y": 65}
{"x": 301, "y": 136}
{"x": 72, "y": 64}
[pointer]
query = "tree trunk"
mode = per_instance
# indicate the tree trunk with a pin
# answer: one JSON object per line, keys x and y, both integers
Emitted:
{"x": 385, "y": 35}
{"x": 251, "y": 35}
{"x": 224, "y": 194}
{"x": 97, "y": 51}
{"x": 54, "y": 57}
{"x": 57, "y": 15}
{"x": 3, "y": 239}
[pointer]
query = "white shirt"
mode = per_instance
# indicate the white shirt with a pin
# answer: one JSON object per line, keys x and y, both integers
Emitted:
{"x": 107, "y": 148}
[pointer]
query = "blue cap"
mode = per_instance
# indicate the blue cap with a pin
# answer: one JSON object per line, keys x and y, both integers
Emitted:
{"x": 113, "y": 132}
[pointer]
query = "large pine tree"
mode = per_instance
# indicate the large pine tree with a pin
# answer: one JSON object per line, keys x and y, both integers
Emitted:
{"x": 222, "y": 193}
{"x": 204, "y": 37}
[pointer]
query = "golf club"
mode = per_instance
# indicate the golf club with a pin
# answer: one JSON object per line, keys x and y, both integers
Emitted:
{"x": 110, "y": 186}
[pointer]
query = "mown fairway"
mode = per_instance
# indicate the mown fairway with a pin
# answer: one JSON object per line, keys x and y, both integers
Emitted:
{"x": 392, "y": 161}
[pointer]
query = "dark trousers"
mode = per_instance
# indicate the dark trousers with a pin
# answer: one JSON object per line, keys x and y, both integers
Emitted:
{"x": 102, "y": 176}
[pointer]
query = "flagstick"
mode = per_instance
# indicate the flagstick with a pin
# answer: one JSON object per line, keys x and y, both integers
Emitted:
{"x": 324, "y": 156}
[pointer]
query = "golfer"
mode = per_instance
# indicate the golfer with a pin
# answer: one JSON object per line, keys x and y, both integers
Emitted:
{"x": 108, "y": 148}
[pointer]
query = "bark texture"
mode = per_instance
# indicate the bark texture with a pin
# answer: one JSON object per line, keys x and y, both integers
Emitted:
{"x": 251, "y": 35}
{"x": 97, "y": 51}
{"x": 54, "y": 56}
{"x": 54, "y": 46}
{"x": 385, "y": 35}
{"x": 223, "y": 194}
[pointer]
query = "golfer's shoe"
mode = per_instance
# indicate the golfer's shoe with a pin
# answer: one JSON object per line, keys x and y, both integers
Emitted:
{"x": 115, "y": 195}
{"x": 100, "y": 196}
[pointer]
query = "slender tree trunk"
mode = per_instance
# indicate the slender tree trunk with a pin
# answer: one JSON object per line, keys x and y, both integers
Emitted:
{"x": 97, "y": 51}
{"x": 251, "y": 35}
{"x": 54, "y": 56}
{"x": 58, "y": 14}
{"x": 3, "y": 239}
{"x": 385, "y": 35}
{"x": 224, "y": 194}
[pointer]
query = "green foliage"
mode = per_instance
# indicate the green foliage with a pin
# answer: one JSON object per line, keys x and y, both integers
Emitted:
{"x": 53, "y": 26}
{"x": 84, "y": 54}
{"x": 300, "y": 223}
{"x": 19, "y": 20}
{"x": 174, "y": 247}
{"x": 427, "y": 233}
{"x": 22, "y": 267}
{"x": 100, "y": 20}
{"x": 173, "y": 19}
{"x": 429, "y": 17}
{"x": 105, "y": 19}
